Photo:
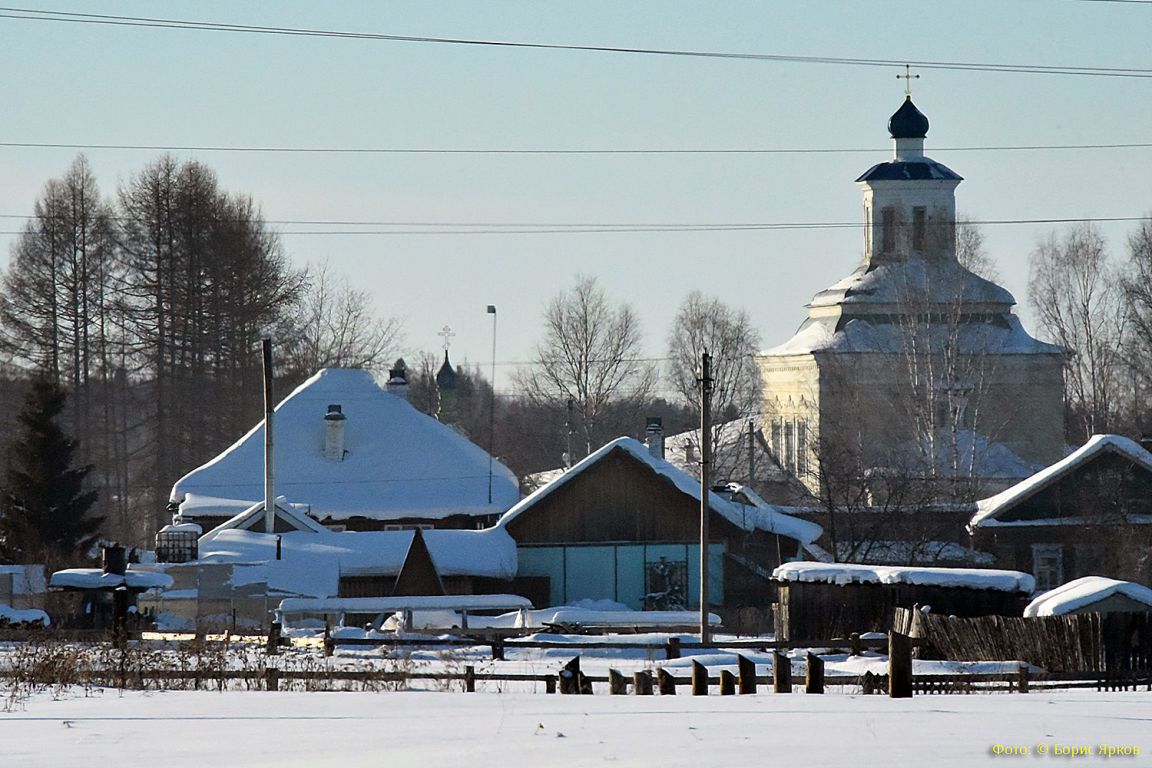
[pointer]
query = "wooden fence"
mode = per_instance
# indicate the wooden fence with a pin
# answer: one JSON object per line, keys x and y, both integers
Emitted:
{"x": 1109, "y": 646}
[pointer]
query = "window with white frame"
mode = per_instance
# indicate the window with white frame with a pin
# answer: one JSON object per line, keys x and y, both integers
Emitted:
{"x": 1047, "y": 566}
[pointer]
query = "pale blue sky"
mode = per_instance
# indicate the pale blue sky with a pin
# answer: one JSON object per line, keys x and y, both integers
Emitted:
{"x": 92, "y": 84}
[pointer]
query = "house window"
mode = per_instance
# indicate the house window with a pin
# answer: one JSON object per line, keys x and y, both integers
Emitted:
{"x": 777, "y": 440}
{"x": 888, "y": 229}
{"x": 1047, "y": 566}
{"x": 919, "y": 225}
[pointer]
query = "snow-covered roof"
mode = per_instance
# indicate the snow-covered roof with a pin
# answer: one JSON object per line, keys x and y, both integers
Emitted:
{"x": 747, "y": 517}
{"x": 1081, "y": 593}
{"x": 880, "y": 335}
{"x": 26, "y": 579}
{"x": 399, "y": 462}
{"x": 760, "y": 515}
{"x": 965, "y": 453}
{"x": 914, "y": 283}
{"x": 730, "y": 438}
{"x": 844, "y": 573}
{"x": 294, "y": 517}
{"x": 895, "y": 551}
{"x": 95, "y": 578}
{"x": 312, "y": 562}
{"x": 23, "y": 615}
{"x": 292, "y": 605}
{"x": 988, "y": 510}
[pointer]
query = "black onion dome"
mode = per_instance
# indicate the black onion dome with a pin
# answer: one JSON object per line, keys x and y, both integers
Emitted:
{"x": 908, "y": 122}
{"x": 446, "y": 376}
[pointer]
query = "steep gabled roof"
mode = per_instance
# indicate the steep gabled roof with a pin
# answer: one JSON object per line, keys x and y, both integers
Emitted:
{"x": 749, "y": 517}
{"x": 399, "y": 462}
{"x": 988, "y": 510}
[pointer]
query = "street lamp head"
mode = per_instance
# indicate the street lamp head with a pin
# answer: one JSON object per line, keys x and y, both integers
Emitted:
{"x": 491, "y": 309}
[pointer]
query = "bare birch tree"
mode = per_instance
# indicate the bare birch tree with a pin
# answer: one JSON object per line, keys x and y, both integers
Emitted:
{"x": 1078, "y": 297}
{"x": 591, "y": 355}
{"x": 706, "y": 324}
{"x": 337, "y": 327}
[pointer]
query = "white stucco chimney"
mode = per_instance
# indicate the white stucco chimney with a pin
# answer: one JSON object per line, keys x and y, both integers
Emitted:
{"x": 654, "y": 433}
{"x": 334, "y": 433}
{"x": 398, "y": 380}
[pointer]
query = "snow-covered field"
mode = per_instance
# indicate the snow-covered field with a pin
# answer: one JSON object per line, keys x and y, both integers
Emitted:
{"x": 425, "y": 729}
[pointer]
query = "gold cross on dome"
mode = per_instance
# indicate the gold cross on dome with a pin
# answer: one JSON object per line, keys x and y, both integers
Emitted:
{"x": 447, "y": 334}
{"x": 908, "y": 77}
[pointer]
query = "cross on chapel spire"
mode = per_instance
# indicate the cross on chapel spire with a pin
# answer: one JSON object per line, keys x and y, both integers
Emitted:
{"x": 907, "y": 77}
{"x": 446, "y": 333}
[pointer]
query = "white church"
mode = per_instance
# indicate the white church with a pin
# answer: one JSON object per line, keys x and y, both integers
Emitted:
{"x": 913, "y": 364}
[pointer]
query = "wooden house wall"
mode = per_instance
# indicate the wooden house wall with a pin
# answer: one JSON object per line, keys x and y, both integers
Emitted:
{"x": 1106, "y": 487}
{"x": 616, "y": 500}
{"x": 1088, "y": 550}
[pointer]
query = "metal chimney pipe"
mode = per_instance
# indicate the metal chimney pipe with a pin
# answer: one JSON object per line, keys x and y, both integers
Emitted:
{"x": 269, "y": 464}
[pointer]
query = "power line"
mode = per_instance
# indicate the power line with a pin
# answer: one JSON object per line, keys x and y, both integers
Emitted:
{"x": 30, "y": 14}
{"x": 544, "y": 151}
{"x": 579, "y": 229}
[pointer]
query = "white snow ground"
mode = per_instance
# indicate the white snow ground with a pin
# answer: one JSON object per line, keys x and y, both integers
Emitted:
{"x": 196, "y": 729}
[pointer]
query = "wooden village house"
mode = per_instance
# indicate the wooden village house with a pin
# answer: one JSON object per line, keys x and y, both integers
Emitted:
{"x": 624, "y": 525}
{"x": 1089, "y": 514}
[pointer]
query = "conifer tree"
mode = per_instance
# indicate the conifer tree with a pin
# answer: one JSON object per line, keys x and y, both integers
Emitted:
{"x": 44, "y": 509}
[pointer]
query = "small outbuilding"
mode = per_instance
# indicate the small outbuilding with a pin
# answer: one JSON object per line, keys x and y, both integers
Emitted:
{"x": 819, "y": 601}
{"x": 1092, "y": 594}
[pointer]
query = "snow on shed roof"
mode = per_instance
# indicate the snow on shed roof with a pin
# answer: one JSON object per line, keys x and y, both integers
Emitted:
{"x": 845, "y": 573}
{"x": 1083, "y": 592}
{"x": 399, "y": 462}
{"x": 748, "y": 517}
{"x": 987, "y": 510}
{"x": 312, "y": 562}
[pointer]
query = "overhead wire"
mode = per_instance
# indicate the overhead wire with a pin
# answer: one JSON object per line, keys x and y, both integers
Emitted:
{"x": 33, "y": 14}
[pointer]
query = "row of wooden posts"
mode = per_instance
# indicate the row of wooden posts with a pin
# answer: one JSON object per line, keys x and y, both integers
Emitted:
{"x": 573, "y": 681}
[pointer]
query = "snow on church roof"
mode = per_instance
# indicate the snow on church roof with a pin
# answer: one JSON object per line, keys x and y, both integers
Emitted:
{"x": 399, "y": 462}
{"x": 987, "y": 510}
{"x": 747, "y": 517}
{"x": 1083, "y": 592}
{"x": 845, "y": 573}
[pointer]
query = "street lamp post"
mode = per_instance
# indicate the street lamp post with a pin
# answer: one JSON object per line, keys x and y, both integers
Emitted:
{"x": 492, "y": 405}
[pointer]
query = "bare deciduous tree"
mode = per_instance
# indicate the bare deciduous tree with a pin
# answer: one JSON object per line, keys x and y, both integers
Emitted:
{"x": 1078, "y": 296}
{"x": 338, "y": 327}
{"x": 706, "y": 324}
{"x": 970, "y": 249}
{"x": 591, "y": 355}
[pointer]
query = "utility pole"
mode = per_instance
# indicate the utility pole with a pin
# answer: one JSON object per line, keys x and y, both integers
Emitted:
{"x": 269, "y": 465}
{"x": 492, "y": 405}
{"x": 705, "y": 381}
{"x": 570, "y": 425}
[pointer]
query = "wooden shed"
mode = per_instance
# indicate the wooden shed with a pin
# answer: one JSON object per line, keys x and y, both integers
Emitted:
{"x": 820, "y": 601}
